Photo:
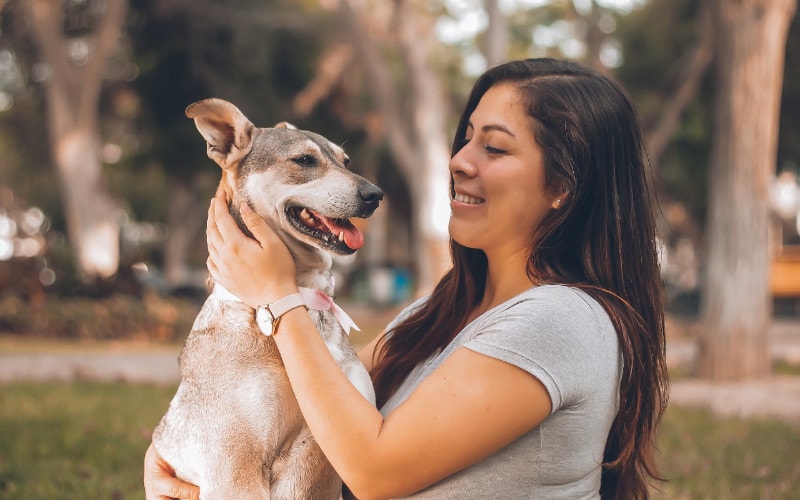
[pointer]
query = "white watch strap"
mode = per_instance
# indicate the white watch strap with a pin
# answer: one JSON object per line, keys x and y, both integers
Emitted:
{"x": 286, "y": 304}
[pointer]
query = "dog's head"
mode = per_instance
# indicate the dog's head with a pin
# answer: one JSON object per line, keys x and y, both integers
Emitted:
{"x": 297, "y": 180}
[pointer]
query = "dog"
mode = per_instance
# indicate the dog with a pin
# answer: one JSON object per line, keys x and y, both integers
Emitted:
{"x": 234, "y": 427}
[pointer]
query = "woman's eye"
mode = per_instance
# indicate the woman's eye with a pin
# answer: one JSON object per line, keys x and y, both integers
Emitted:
{"x": 493, "y": 151}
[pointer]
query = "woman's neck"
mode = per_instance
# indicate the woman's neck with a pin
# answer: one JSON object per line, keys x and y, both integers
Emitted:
{"x": 505, "y": 278}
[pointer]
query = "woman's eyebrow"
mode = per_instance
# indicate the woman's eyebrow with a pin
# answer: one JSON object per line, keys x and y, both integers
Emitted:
{"x": 498, "y": 127}
{"x": 492, "y": 127}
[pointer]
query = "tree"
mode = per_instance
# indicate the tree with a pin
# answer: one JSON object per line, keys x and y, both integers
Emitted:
{"x": 187, "y": 51}
{"x": 413, "y": 111}
{"x": 495, "y": 39}
{"x": 750, "y": 49}
{"x": 77, "y": 67}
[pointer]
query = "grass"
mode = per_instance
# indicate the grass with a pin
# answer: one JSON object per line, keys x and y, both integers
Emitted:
{"x": 87, "y": 440}
{"x": 78, "y": 440}
{"x": 706, "y": 457}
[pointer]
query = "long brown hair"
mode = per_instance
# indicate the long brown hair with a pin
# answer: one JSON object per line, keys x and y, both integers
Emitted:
{"x": 601, "y": 239}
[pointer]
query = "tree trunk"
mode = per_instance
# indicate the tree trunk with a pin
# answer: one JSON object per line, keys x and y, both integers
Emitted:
{"x": 415, "y": 127}
{"x": 495, "y": 38}
{"x": 430, "y": 180}
{"x": 186, "y": 219}
{"x": 751, "y": 42}
{"x": 73, "y": 93}
{"x": 92, "y": 216}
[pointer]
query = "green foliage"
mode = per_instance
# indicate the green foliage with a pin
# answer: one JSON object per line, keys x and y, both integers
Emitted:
{"x": 261, "y": 53}
{"x": 116, "y": 317}
{"x": 656, "y": 40}
{"x": 80, "y": 440}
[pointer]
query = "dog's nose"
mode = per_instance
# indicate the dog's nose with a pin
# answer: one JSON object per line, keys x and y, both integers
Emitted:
{"x": 370, "y": 193}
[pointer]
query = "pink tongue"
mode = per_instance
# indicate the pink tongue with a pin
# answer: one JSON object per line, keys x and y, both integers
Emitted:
{"x": 353, "y": 238}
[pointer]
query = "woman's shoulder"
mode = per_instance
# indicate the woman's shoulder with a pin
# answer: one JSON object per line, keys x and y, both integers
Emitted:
{"x": 558, "y": 300}
{"x": 559, "y": 334}
{"x": 554, "y": 314}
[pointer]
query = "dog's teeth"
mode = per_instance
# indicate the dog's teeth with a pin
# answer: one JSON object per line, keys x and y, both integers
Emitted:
{"x": 304, "y": 214}
{"x": 341, "y": 235}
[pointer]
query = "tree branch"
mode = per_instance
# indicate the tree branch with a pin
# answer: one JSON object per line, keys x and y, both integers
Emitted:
{"x": 382, "y": 88}
{"x": 689, "y": 78}
{"x": 105, "y": 42}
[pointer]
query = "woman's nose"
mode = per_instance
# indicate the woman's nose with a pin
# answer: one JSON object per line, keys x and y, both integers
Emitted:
{"x": 462, "y": 163}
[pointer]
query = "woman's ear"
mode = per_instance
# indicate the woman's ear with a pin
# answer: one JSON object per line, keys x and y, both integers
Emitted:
{"x": 560, "y": 197}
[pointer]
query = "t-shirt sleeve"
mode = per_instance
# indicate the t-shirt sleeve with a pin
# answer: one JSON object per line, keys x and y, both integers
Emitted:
{"x": 559, "y": 335}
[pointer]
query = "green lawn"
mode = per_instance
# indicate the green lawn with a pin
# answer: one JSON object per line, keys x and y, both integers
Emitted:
{"x": 705, "y": 457}
{"x": 79, "y": 440}
{"x": 86, "y": 441}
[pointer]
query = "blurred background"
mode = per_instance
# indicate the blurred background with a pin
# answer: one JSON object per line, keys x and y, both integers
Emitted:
{"x": 104, "y": 183}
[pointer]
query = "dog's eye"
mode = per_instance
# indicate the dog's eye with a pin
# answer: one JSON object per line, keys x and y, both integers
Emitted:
{"x": 346, "y": 161}
{"x": 305, "y": 160}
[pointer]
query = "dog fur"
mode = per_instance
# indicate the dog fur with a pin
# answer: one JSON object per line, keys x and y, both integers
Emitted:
{"x": 233, "y": 427}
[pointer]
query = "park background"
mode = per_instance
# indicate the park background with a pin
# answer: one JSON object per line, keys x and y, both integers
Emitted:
{"x": 104, "y": 186}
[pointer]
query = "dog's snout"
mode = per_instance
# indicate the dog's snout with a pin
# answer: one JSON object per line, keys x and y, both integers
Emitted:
{"x": 370, "y": 193}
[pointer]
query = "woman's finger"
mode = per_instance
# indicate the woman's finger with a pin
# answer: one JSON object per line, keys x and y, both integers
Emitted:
{"x": 224, "y": 223}
{"x": 212, "y": 231}
{"x": 256, "y": 224}
{"x": 213, "y": 270}
{"x": 160, "y": 482}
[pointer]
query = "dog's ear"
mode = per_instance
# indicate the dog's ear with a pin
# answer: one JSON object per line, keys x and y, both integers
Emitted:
{"x": 228, "y": 133}
{"x": 285, "y": 125}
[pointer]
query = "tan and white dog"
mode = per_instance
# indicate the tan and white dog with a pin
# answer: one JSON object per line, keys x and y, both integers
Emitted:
{"x": 234, "y": 428}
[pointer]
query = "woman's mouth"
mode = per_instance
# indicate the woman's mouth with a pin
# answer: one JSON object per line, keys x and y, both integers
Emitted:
{"x": 469, "y": 200}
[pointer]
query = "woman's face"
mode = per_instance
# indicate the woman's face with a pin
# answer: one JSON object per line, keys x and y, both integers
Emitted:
{"x": 498, "y": 176}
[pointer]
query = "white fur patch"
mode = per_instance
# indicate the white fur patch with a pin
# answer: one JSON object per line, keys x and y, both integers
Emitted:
{"x": 221, "y": 293}
{"x": 336, "y": 147}
{"x": 309, "y": 144}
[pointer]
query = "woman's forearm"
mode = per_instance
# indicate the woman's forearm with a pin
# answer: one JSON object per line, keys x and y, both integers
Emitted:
{"x": 344, "y": 423}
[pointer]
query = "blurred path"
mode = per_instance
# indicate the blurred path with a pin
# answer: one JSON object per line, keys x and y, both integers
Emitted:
{"x": 778, "y": 396}
{"x": 158, "y": 365}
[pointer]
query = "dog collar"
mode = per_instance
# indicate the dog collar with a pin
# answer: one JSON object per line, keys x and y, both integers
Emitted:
{"x": 314, "y": 299}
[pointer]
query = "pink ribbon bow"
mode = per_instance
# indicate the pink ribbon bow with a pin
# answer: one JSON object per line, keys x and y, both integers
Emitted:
{"x": 320, "y": 301}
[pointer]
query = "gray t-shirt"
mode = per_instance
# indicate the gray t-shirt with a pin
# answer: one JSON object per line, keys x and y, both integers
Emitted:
{"x": 564, "y": 338}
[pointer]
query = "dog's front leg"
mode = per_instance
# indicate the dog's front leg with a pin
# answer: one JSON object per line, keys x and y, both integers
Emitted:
{"x": 302, "y": 471}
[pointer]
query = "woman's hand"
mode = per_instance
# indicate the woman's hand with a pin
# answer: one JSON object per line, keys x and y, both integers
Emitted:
{"x": 258, "y": 271}
{"x": 160, "y": 482}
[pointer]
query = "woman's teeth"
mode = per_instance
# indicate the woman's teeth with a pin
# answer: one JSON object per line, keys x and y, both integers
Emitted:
{"x": 470, "y": 200}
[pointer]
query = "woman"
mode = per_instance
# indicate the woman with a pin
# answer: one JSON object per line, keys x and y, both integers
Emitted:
{"x": 535, "y": 369}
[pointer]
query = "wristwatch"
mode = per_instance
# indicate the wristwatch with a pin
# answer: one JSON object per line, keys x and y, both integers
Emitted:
{"x": 268, "y": 316}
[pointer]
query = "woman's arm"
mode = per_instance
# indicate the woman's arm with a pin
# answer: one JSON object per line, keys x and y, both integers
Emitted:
{"x": 366, "y": 354}
{"x": 468, "y": 408}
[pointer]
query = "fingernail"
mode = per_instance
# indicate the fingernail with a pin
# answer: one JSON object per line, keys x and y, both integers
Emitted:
{"x": 246, "y": 208}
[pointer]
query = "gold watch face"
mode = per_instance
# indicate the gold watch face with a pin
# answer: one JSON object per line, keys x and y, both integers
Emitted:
{"x": 265, "y": 320}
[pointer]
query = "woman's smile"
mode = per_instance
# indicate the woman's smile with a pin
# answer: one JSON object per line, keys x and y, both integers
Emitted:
{"x": 466, "y": 199}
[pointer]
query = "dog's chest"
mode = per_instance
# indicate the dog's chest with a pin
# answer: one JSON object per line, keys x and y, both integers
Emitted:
{"x": 225, "y": 340}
